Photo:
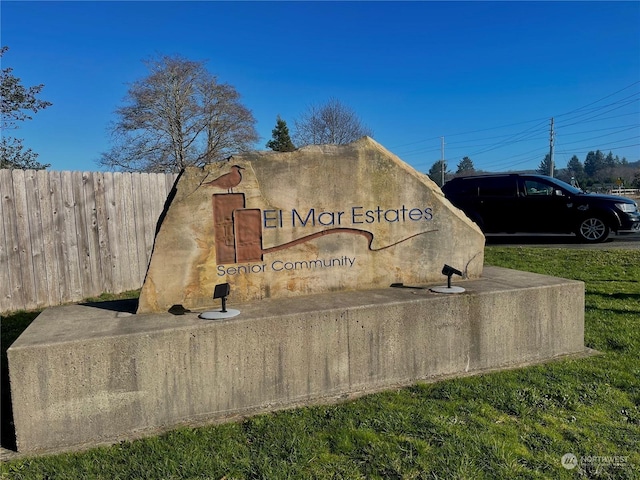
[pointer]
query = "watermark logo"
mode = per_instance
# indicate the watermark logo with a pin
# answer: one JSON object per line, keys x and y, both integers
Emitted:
{"x": 569, "y": 461}
{"x": 593, "y": 463}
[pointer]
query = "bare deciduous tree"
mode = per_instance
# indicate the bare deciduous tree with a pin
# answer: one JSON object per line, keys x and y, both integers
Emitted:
{"x": 331, "y": 123}
{"x": 178, "y": 115}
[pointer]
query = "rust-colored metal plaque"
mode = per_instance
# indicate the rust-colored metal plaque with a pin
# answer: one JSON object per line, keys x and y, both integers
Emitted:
{"x": 224, "y": 204}
{"x": 248, "y": 235}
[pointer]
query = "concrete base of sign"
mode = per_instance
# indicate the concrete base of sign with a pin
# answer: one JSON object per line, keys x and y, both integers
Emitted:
{"x": 446, "y": 289}
{"x": 219, "y": 314}
{"x": 83, "y": 375}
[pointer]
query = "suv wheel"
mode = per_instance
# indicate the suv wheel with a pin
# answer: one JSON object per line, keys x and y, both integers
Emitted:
{"x": 593, "y": 230}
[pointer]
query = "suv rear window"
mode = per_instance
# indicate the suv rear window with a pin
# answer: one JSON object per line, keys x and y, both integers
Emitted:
{"x": 486, "y": 187}
{"x": 498, "y": 187}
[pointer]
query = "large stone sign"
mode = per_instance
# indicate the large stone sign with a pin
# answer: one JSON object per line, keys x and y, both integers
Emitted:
{"x": 309, "y": 243}
{"x": 320, "y": 219}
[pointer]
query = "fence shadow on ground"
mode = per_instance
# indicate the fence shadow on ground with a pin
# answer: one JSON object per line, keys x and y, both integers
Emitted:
{"x": 129, "y": 305}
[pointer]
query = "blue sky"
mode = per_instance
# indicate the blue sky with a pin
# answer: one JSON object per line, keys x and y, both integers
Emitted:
{"x": 486, "y": 76}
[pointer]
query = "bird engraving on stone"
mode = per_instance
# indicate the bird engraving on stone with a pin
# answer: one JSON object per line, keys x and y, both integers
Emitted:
{"x": 229, "y": 180}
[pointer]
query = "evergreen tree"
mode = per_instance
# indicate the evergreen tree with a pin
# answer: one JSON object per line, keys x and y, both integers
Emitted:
{"x": 545, "y": 166}
{"x": 610, "y": 161}
{"x": 594, "y": 163}
{"x": 609, "y": 170}
{"x": 465, "y": 166}
{"x": 435, "y": 172}
{"x": 576, "y": 169}
{"x": 280, "y": 139}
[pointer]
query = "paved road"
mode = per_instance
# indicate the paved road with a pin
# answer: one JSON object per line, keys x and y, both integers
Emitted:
{"x": 629, "y": 242}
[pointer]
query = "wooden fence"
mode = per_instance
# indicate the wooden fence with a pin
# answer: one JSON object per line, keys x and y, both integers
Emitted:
{"x": 625, "y": 192}
{"x": 66, "y": 236}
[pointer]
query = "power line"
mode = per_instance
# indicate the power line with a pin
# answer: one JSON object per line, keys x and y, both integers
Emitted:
{"x": 536, "y": 131}
{"x": 603, "y": 98}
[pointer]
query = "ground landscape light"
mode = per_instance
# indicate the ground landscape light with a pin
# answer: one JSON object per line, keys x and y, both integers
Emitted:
{"x": 449, "y": 271}
{"x": 221, "y": 291}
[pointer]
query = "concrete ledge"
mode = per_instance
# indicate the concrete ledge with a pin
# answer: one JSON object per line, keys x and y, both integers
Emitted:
{"x": 84, "y": 376}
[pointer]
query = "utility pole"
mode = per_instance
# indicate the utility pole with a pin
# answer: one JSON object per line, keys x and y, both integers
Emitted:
{"x": 442, "y": 159}
{"x": 551, "y": 139}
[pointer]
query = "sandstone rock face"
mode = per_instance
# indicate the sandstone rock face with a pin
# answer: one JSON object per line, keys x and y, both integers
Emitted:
{"x": 319, "y": 219}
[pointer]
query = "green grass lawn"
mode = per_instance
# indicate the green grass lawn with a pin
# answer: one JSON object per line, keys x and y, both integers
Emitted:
{"x": 511, "y": 424}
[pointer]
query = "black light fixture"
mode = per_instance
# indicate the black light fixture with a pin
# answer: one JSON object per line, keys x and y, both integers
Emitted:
{"x": 449, "y": 271}
{"x": 221, "y": 291}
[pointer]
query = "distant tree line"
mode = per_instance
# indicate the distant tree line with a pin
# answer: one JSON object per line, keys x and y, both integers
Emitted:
{"x": 601, "y": 169}
{"x": 598, "y": 169}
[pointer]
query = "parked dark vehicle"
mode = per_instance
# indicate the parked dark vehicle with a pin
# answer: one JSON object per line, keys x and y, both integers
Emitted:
{"x": 525, "y": 203}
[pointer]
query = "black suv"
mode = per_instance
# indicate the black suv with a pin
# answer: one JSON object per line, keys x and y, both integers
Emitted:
{"x": 539, "y": 204}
